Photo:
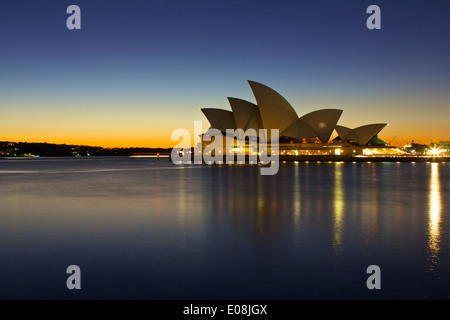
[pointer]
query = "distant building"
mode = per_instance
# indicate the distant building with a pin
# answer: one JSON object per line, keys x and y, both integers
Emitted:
{"x": 416, "y": 148}
{"x": 444, "y": 147}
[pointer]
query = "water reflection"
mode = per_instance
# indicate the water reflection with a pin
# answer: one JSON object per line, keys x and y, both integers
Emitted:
{"x": 297, "y": 195}
{"x": 260, "y": 204}
{"x": 338, "y": 209}
{"x": 434, "y": 217}
{"x": 225, "y": 231}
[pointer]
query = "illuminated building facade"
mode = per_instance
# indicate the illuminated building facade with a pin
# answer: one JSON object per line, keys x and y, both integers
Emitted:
{"x": 306, "y": 135}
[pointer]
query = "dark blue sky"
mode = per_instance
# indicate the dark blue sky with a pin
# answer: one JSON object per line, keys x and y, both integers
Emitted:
{"x": 135, "y": 60}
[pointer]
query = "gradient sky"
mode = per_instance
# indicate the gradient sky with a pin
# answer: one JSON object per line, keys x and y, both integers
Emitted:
{"x": 137, "y": 70}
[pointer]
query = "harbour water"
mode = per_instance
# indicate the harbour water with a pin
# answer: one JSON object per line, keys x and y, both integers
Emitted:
{"x": 148, "y": 229}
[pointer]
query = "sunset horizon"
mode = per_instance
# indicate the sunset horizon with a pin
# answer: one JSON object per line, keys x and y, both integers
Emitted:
{"x": 136, "y": 130}
{"x": 129, "y": 77}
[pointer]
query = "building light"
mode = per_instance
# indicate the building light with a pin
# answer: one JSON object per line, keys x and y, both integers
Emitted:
{"x": 434, "y": 152}
{"x": 337, "y": 152}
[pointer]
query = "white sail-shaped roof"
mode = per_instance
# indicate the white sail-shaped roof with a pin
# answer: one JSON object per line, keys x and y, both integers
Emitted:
{"x": 361, "y": 134}
{"x": 246, "y": 114}
{"x": 219, "y": 118}
{"x": 322, "y": 122}
{"x": 343, "y": 132}
{"x": 275, "y": 111}
{"x": 299, "y": 130}
{"x": 367, "y": 132}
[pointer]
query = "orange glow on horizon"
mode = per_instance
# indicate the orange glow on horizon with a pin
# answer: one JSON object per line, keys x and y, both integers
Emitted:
{"x": 104, "y": 143}
{"x": 144, "y": 123}
{"x": 164, "y": 142}
{"x": 121, "y": 129}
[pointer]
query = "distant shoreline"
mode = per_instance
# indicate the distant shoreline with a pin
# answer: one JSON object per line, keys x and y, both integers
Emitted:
{"x": 365, "y": 158}
{"x": 21, "y": 150}
{"x": 282, "y": 158}
{"x": 350, "y": 158}
{"x": 43, "y": 149}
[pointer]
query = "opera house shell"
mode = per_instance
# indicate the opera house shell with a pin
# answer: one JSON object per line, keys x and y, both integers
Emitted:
{"x": 307, "y": 134}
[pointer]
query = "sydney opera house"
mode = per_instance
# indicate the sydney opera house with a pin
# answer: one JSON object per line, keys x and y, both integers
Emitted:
{"x": 309, "y": 134}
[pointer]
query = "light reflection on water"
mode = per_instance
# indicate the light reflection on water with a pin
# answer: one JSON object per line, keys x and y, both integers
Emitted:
{"x": 434, "y": 217}
{"x": 224, "y": 232}
{"x": 338, "y": 208}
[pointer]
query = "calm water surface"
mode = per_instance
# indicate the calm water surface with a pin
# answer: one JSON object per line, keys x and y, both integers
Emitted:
{"x": 147, "y": 229}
